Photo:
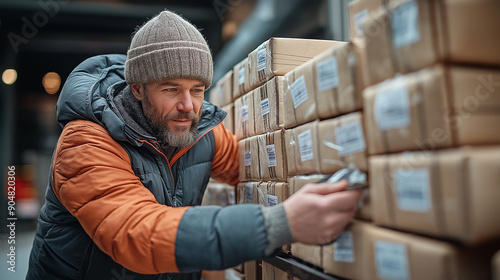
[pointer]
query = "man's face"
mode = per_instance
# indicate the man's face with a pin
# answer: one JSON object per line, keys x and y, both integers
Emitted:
{"x": 173, "y": 108}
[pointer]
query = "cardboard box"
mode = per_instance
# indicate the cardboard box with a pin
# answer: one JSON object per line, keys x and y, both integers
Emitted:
{"x": 253, "y": 270}
{"x": 270, "y": 272}
{"x": 299, "y": 99}
{"x": 229, "y": 120}
{"x": 496, "y": 266}
{"x": 222, "y": 93}
{"x": 244, "y": 124}
{"x": 438, "y": 107}
{"x": 241, "y": 79}
{"x": 248, "y": 149}
{"x": 273, "y": 164}
{"x": 278, "y": 56}
{"x": 341, "y": 143}
{"x": 312, "y": 254}
{"x": 302, "y": 149}
{"x": 247, "y": 192}
{"x": 268, "y": 106}
{"x": 359, "y": 11}
{"x": 295, "y": 183}
{"x": 338, "y": 81}
{"x": 348, "y": 255}
{"x": 449, "y": 194}
{"x": 398, "y": 255}
{"x": 219, "y": 194}
{"x": 414, "y": 34}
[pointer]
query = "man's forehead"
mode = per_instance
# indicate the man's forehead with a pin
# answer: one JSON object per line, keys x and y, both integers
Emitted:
{"x": 181, "y": 82}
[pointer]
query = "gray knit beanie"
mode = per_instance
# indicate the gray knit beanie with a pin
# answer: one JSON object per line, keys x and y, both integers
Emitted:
{"x": 168, "y": 47}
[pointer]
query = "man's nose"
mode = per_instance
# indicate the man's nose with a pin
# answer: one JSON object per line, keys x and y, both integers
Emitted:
{"x": 185, "y": 102}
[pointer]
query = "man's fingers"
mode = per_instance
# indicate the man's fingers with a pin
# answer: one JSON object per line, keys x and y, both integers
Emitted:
{"x": 343, "y": 201}
{"x": 326, "y": 188}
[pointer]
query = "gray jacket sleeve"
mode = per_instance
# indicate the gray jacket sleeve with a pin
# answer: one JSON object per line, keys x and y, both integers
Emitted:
{"x": 215, "y": 238}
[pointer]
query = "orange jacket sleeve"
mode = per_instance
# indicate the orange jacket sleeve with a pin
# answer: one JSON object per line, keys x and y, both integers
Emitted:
{"x": 93, "y": 179}
{"x": 225, "y": 165}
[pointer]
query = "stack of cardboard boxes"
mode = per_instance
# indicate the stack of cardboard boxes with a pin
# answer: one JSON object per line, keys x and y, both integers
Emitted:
{"x": 412, "y": 99}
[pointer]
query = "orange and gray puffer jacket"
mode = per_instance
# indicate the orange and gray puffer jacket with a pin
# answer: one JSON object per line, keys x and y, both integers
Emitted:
{"x": 118, "y": 208}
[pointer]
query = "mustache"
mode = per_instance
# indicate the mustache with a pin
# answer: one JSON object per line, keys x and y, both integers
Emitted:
{"x": 183, "y": 115}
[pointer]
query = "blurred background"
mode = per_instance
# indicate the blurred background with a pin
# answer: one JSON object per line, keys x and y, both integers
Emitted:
{"x": 41, "y": 41}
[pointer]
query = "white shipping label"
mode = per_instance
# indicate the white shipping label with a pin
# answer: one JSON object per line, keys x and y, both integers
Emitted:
{"x": 248, "y": 193}
{"x": 272, "y": 200}
{"x": 271, "y": 156}
{"x": 244, "y": 113}
{"x": 241, "y": 75}
{"x": 232, "y": 198}
{"x": 223, "y": 198}
{"x": 230, "y": 274}
{"x": 391, "y": 260}
{"x": 299, "y": 91}
{"x": 343, "y": 248}
{"x": 359, "y": 18}
{"x": 261, "y": 59}
{"x": 305, "y": 145}
{"x": 328, "y": 74}
{"x": 350, "y": 138}
{"x": 248, "y": 158}
{"x": 404, "y": 24}
{"x": 392, "y": 107}
{"x": 264, "y": 106}
{"x": 413, "y": 189}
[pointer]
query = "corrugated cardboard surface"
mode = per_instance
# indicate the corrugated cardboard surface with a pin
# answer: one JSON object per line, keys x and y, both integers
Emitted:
{"x": 269, "y": 97}
{"x": 272, "y": 158}
{"x": 299, "y": 101}
{"x": 349, "y": 150}
{"x": 414, "y": 34}
{"x": 269, "y": 272}
{"x": 241, "y": 79}
{"x": 222, "y": 94}
{"x": 244, "y": 120}
{"x": 248, "y": 149}
{"x": 347, "y": 256}
{"x": 229, "y": 120}
{"x": 312, "y": 254}
{"x": 219, "y": 194}
{"x": 408, "y": 256}
{"x": 302, "y": 156}
{"x": 336, "y": 75}
{"x": 279, "y": 56}
{"x": 247, "y": 192}
{"x": 358, "y": 11}
{"x": 253, "y": 270}
{"x": 297, "y": 182}
{"x": 445, "y": 106}
{"x": 451, "y": 193}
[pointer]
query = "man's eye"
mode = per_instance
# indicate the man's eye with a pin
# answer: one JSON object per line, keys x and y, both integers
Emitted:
{"x": 170, "y": 89}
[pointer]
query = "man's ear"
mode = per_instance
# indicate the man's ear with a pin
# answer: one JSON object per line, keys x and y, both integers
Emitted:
{"x": 137, "y": 90}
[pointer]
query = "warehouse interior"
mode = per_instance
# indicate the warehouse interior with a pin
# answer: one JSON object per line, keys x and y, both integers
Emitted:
{"x": 419, "y": 107}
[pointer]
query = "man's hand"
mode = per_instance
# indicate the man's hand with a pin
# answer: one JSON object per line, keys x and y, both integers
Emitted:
{"x": 318, "y": 213}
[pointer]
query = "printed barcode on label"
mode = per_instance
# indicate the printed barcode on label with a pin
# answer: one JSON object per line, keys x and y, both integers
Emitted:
{"x": 305, "y": 145}
{"x": 328, "y": 74}
{"x": 350, "y": 138}
{"x": 299, "y": 91}
{"x": 248, "y": 193}
{"x": 404, "y": 24}
{"x": 358, "y": 20}
{"x": 272, "y": 200}
{"x": 248, "y": 158}
{"x": 413, "y": 189}
{"x": 391, "y": 106}
{"x": 261, "y": 59}
{"x": 264, "y": 106}
{"x": 271, "y": 156}
{"x": 244, "y": 113}
{"x": 391, "y": 260}
{"x": 344, "y": 248}
{"x": 241, "y": 75}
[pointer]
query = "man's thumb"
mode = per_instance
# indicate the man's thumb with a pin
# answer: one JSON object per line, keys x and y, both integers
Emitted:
{"x": 326, "y": 188}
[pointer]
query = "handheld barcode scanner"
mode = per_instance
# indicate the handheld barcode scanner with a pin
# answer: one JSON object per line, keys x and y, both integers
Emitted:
{"x": 355, "y": 178}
